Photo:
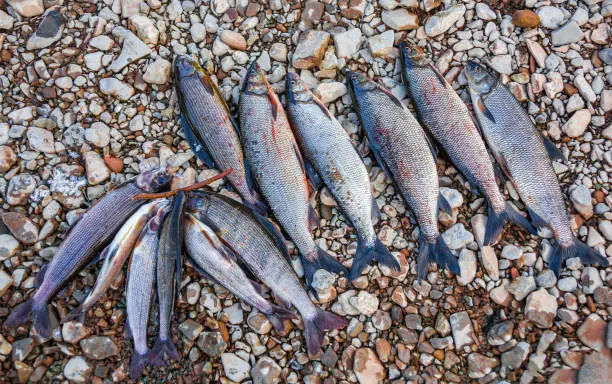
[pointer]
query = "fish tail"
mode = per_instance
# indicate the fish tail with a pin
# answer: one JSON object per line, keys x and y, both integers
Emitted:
{"x": 161, "y": 347}
{"x": 437, "y": 252}
{"x": 320, "y": 259}
{"x": 576, "y": 249}
{"x": 278, "y": 315}
{"x": 315, "y": 327}
{"x": 137, "y": 366}
{"x": 368, "y": 252}
{"x": 77, "y": 314}
{"x": 258, "y": 206}
{"x": 20, "y": 315}
{"x": 496, "y": 222}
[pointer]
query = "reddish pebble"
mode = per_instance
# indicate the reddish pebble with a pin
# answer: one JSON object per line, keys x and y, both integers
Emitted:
{"x": 114, "y": 163}
{"x": 525, "y": 18}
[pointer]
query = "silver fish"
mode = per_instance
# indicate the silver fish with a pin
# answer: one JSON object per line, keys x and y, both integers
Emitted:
{"x": 85, "y": 240}
{"x": 404, "y": 153}
{"x": 262, "y": 248}
{"x": 212, "y": 258}
{"x": 449, "y": 121}
{"x": 524, "y": 155}
{"x": 279, "y": 169}
{"x": 329, "y": 149}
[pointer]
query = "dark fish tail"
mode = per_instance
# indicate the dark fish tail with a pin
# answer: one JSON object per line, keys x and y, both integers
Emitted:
{"x": 138, "y": 364}
{"x": 368, "y": 252}
{"x": 77, "y": 314}
{"x": 20, "y": 315}
{"x": 278, "y": 315}
{"x": 577, "y": 249}
{"x": 437, "y": 252}
{"x": 161, "y": 347}
{"x": 319, "y": 259}
{"x": 31, "y": 310}
{"x": 258, "y": 206}
{"x": 496, "y": 222}
{"x": 314, "y": 329}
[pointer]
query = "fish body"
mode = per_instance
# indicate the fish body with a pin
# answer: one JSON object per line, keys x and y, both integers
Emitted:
{"x": 262, "y": 249}
{"x": 272, "y": 151}
{"x": 139, "y": 293}
{"x": 448, "y": 120}
{"x": 523, "y": 154}
{"x": 403, "y": 152}
{"x": 210, "y": 256}
{"x": 210, "y": 129}
{"x": 329, "y": 149}
{"x": 85, "y": 240}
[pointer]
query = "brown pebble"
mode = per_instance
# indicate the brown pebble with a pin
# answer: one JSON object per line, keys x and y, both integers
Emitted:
{"x": 599, "y": 196}
{"x": 114, "y": 163}
{"x": 570, "y": 89}
{"x": 525, "y": 18}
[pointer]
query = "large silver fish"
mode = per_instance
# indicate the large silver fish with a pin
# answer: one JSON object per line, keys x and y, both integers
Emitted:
{"x": 262, "y": 248}
{"x": 404, "y": 153}
{"x": 168, "y": 279}
{"x": 212, "y": 258}
{"x": 279, "y": 170}
{"x": 329, "y": 149}
{"x": 210, "y": 129}
{"x": 85, "y": 240}
{"x": 140, "y": 291}
{"x": 449, "y": 121}
{"x": 524, "y": 155}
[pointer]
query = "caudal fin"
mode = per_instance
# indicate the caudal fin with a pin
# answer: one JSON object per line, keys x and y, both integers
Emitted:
{"x": 258, "y": 206}
{"x": 437, "y": 252}
{"x": 577, "y": 249}
{"x": 368, "y": 252}
{"x": 278, "y": 316}
{"x": 77, "y": 314}
{"x": 497, "y": 221}
{"x": 30, "y": 310}
{"x": 314, "y": 329}
{"x": 320, "y": 259}
{"x": 138, "y": 364}
{"x": 163, "y": 347}
{"x": 20, "y": 315}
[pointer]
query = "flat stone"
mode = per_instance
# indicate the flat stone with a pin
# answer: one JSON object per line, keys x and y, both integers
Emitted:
{"x": 541, "y": 308}
{"x": 368, "y": 367}
{"x": 525, "y": 18}
{"x": 6, "y": 21}
{"x": 48, "y": 32}
{"x": 8, "y": 246}
{"x": 5, "y": 281}
{"x": 27, "y": 8}
{"x": 501, "y": 64}
{"x": 102, "y": 43}
{"x": 577, "y": 124}
{"x": 347, "y": 43}
{"x": 457, "y": 237}
{"x": 235, "y": 368}
{"x": 132, "y": 49}
{"x": 22, "y": 115}
{"x": 581, "y": 198}
{"x": 467, "y": 265}
{"x": 382, "y": 44}
{"x": 596, "y": 369}
{"x": 7, "y": 158}
{"x": 158, "y": 72}
{"x": 463, "y": 333}
{"x": 480, "y": 366}
{"x": 330, "y": 91}
{"x": 310, "y": 49}
{"x": 567, "y": 34}
{"x": 99, "y": 347}
{"x": 78, "y": 369}
{"x": 41, "y": 140}
{"x": 96, "y": 168}
{"x": 21, "y": 227}
{"x": 234, "y": 40}
{"x": 538, "y": 53}
{"x": 514, "y": 358}
{"x": 550, "y": 16}
{"x": 145, "y": 29}
{"x": 400, "y": 19}
{"x": 592, "y": 332}
{"x": 522, "y": 286}
{"x": 116, "y": 88}
{"x": 484, "y": 12}
{"x": 19, "y": 189}
{"x": 266, "y": 371}
{"x": 444, "y": 20}
{"x": 212, "y": 344}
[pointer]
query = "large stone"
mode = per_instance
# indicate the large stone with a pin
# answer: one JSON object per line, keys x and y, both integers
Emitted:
{"x": 27, "y": 8}
{"x": 480, "y": 365}
{"x": 567, "y": 34}
{"x": 592, "y": 332}
{"x": 381, "y": 45}
{"x": 19, "y": 189}
{"x": 400, "y": 19}
{"x": 99, "y": 347}
{"x": 158, "y": 72}
{"x": 310, "y": 49}
{"x": 48, "y": 32}
{"x": 265, "y": 371}
{"x": 444, "y": 20}
{"x": 78, "y": 370}
{"x": 41, "y": 140}
{"x": 463, "y": 333}
{"x": 541, "y": 308}
{"x": 6, "y": 21}
{"x": 116, "y": 88}
{"x": 133, "y": 49}
{"x": 596, "y": 369}
{"x": 550, "y": 16}
{"x": 235, "y": 368}
{"x": 368, "y": 367}
{"x": 577, "y": 124}
{"x": 347, "y": 43}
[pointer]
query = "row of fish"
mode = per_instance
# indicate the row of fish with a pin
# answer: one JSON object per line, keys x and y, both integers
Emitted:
{"x": 223, "y": 240}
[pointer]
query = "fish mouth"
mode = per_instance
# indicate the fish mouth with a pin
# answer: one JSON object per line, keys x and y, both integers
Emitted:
{"x": 183, "y": 66}
{"x": 255, "y": 80}
{"x": 474, "y": 71}
{"x": 411, "y": 55}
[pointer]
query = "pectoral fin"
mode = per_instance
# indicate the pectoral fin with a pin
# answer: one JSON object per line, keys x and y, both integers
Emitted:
{"x": 483, "y": 109}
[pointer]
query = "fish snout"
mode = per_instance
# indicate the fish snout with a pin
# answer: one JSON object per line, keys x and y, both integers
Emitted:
{"x": 183, "y": 66}
{"x": 412, "y": 55}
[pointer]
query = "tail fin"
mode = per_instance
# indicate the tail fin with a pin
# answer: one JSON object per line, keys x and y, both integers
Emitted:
{"x": 439, "y": 253}
{"x": 577, "y": 249}
{"x": 77, "y": 314}
{"x": 314, "y": 329}
{"x": 138, "y": 363}
{"x": 368, "y": 252}
{"x": 38, "y": 313}
{"x": 497, "y": 221}
{"x": 320, "y": 259}
{"x": 278, "y": 316}
{"x": 258, "y": 206}
{"x": 161, "y": 347}
{"x": 20, "y": 315}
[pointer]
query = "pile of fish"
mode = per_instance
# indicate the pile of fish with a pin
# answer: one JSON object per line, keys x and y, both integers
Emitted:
{"x": 276, "y": 161}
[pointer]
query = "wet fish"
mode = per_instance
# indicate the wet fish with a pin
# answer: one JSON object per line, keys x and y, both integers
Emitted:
{"x": 212, "y": 258}
{"x": 262, "y": 248}
{"x": 168, "y": 279}
{"x": 85, "y": 240}
{"x": 210, "y": 130}
{"x": 279, "y": 170}
{"x": 404, "y": 153}
{"x": 329, "y": 149}
{"x": 448, "y": 120}
{"x": 525, "y": 156}
{"x": 114, "y": 255}
{"x": 140, "y": 290}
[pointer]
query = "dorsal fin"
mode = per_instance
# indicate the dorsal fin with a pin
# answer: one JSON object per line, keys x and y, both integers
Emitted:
{"x": 443, "y": 82}
{"x": 322, "y": 106}
{"x": 393, "y": 98}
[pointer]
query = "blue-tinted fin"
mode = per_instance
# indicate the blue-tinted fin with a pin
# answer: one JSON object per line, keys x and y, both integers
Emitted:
{"x": 313, "y": 175}
{"x": 537, "y": 220}
{"x": 553, "y": 152}
{"x": 375, "y": 215}
{"x": 380, "y": 160}
{"x": 432, "y": 145}
{"x": 313, "y": 218}
{"x": 41, "y": 276}
{"x": 197, "y": 146}
{"x": 482, "y": 108}
{"x": 278, "y": 237}
{"x": 444, "y": 205}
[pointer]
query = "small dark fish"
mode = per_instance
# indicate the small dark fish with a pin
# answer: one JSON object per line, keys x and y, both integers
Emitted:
{"x": 405, "y": 154}
{"x": 449, "y": 121}
{"x": 279, "y": 169}
{"x": 210, "y": 129}
{"x": 262, "y": 248}
{"x": 217, "y": 261}
{"x": 525, "y": 156}
{"x": 89, "y": 235}
{"x": 168, "y": 278}
{"x": 329, "y": 149}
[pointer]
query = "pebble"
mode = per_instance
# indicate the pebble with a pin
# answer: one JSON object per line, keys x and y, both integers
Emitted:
{"x": 461, "y": 326}
{"x": 233, "y": 40}
{"x": 99, "y": 347}
{"x": 114, "y": 87}
{"x": 8, "y": 246}
{"x": 569, "y": 33}
{"x": 6, "y": 21}
{"x": 541, "y": 308}
{"x": 102, "y": 43}
{"x": 132, "y": 49}
{"x": 310, "y": 49}
{"x": 480, "y": 366}
{"x": 484, "y": 12}
{"x": 5, "y": 281}
{"x": 581, "y": 198}
{"x": 347, "y": 43}
{"x": 592, "y": 332}
{"x": 98, "y": 134}
{"x": 381, "y": 45}
{"x": 96, "y": 169}
{"x": 467, "y": 264}
{"x": 590, "y": 280}
{"x": 367, "y": 366}
{"x": 522, "y": 286}
{"x": 235, "y": 368}
{"x": 158, "y": 72}
{"x": 550, "y": 16}
{"x": 27, "y": 8}
{"x": 212, "y": 344}
{"x": 266, "y": 371}
{"x": 444, "y": 20}
{"x": 78, "y": 369}
{"x": 457, "y": 237}
{"x": 365, "y": 302}
{"x": 525, "y": 18}
{"x": 145, "y": 30}
{"x": 41, "y": 140}
{"x": 330, "y": 91}
{"x": 48, "y": 32}
{"x": 400, "y": 19}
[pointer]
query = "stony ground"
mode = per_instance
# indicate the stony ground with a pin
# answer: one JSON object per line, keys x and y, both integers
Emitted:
{"x": 87, "y": 100}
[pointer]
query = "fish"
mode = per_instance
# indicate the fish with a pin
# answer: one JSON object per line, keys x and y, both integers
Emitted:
{"x": 84, "y": 241}
{"x": 140, "y": 290}
{"x": 115, "y": 255}
{"x": 210, "y": 129}
{"x": 279, "y": 169}
{"x": 524, "y": 155}
{"x": 448, "y": 120}
{"x": 168, "y": 279}
{"x": 213, "y": 259}
{"x": 329, "y": 149}
{"x": 404, "y": 153}
{"x": 261, "y": 247}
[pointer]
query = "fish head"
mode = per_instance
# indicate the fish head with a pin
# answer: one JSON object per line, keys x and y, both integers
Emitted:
{"x": 479, "y": 79}
{"x": 197, "y": 201}
{"x": 296, "y": 90}
{"x": 358, "y": 83}
{"x": 255, "y": 81}
{"x": 155, "y": 180}
{"x": 412, "y": 55}
{"x": 184, "y": 66}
